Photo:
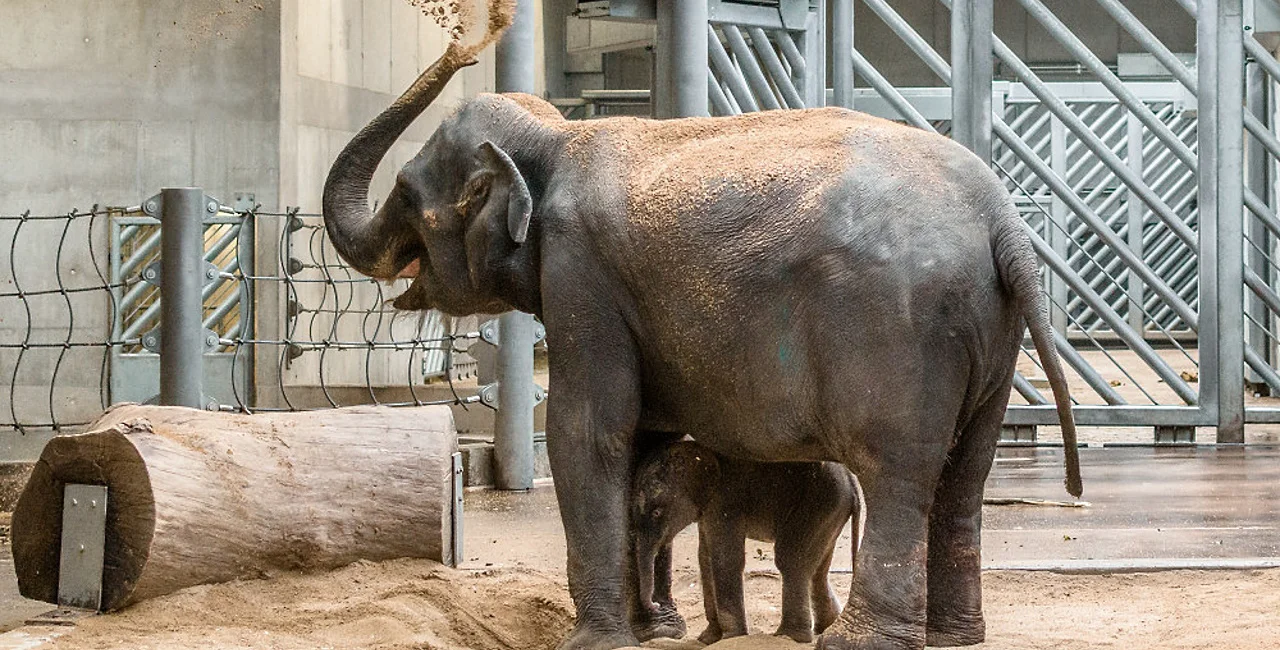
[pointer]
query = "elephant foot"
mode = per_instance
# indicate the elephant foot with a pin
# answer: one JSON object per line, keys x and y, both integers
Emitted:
{"x": 664, "y": 623}
{"x": 710, "y": 635}
{"x": 583, "y": 638}
{"x": 796, "y": 634}
{"x": 955, "y": 631}
{"x": 846, "y": 634}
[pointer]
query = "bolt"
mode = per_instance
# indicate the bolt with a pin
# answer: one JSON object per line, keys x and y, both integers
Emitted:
{"x": 82, "y": 548}
{"x": 150, "y": 206}
{"x": 211, "y": 340}
{"x": 93, "y": 503}
{"x": 211, "y": 207}
{"x": 148, "y": 341}
{"x": 75, "y": 502}
{"x": 210, "y": 273}
{"x": 149, "y": 274}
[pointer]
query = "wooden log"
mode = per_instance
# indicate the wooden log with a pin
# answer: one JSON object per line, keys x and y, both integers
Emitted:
{"x": 198, "y": 497}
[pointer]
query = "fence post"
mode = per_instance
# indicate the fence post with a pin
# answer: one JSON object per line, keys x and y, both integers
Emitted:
{"x": 842, "y": 53}
{"x": 513, "y": 421}
{"x": 682, "y": 59}
{"x": 971, "y": 75}
{"x": 1229, "y": 225}
{"x": 182, "y": 269}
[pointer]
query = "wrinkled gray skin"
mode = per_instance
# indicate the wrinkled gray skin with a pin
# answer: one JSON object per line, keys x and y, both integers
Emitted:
{"x": 801, "y": 507}
{"x": 865, "y": 307}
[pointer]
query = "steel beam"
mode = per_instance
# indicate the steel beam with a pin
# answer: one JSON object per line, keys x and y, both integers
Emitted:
{"x": 683, "y": 57}
{"x": 182, "y": 344}
{"x": 971, "y": 74}
{"x": 513, "y": 456}
{"x": 1258, "y": 98}
{"x": 842, "y": 52}
{"x": 1228, "y": 223}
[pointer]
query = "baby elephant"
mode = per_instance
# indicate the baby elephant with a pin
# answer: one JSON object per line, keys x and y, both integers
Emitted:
{"x": 801, "y": 507}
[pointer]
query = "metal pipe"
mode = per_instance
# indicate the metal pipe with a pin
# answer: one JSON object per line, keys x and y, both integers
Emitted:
{"x": 1082, "y": 211}
{"x": 908, "y": 34}
{"x": 1027, "y": 391}
{"x": 728, "y": 72}
{"x": 764, "y": 48}
{"x": 890, "y": 94}
{"x": 1231, "y": 120}
{"x": 1136, "y": 218}
{"x": 842, "y": 52}
{"x": 1150, "y": 43}
{"x": 684, "y": 56}
{"x": 1099, "y": 148}
{"x": 719, "y": 101}
{"x": 750, "y": 68}
{"x": 1109, "y": 315}
{"x": 971, "y": 75}
{"x": 792, "y": 53}
{"x": 182, "y": 278}
{"x": 1256, "y": 92}
{"x": 1087, "y": 373}
{"x": 513, "y": 456}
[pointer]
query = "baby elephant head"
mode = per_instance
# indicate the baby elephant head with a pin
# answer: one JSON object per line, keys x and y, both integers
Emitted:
{"x": 672, "y": 486}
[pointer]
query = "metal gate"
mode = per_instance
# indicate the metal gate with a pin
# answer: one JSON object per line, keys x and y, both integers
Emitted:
{"x": 1151, "y": 221}
{"x": 1133, "y": 192}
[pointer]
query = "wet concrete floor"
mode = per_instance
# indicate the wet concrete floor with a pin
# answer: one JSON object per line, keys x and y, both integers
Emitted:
{"x": 1170, "y": 504}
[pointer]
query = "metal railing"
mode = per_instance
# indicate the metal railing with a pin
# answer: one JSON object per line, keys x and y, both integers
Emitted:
{"x": 267, "y": 319}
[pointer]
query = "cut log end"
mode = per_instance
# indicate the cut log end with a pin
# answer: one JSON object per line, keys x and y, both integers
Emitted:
{"x": 105, "y": 457}
{"x": 197, "y": 497}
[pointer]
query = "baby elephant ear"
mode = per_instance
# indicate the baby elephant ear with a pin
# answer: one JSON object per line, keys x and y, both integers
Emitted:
{"x": 507, "y": 176}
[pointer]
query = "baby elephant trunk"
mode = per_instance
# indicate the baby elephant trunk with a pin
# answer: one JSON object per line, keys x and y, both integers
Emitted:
{"x": 645, "y": 557}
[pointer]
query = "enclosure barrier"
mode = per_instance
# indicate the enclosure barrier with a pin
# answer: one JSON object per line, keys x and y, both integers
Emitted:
{"x": 87, "y": 325}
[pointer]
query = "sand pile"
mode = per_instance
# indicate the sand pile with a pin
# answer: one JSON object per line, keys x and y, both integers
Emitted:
{"x": 395, "y": 604}
{"x": 417, "y": 604}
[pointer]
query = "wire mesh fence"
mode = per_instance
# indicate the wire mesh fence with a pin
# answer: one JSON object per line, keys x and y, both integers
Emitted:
{"x": 292, "y": 329}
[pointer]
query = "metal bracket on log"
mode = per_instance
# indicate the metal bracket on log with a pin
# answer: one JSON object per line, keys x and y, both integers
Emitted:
{"x": 456, "y": 549}
{"x": 84, "y": 532}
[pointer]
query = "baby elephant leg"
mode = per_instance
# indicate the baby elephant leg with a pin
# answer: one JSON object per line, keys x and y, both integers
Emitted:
{"x": 826, "y": 607}
{"x": 726, "y": 541}
{"x": 712, "y": 633}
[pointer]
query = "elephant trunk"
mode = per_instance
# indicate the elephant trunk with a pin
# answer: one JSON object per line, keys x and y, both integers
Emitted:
{"x": 646, "y": 556}
{"x": 380, "y": 245}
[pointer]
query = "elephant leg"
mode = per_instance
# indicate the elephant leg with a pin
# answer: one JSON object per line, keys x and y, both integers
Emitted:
{"x": 955, "y": 532}
{"x": 728, "y": 560}
{"x": 886, "y": 608}
{"x": 593, "y": 423}
{"x": 797, "y": 578}
{"x": 712, "y": 633}
{"x": 826, "y": 608}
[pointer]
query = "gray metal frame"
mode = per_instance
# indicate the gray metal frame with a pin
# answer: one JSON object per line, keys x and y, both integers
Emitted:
{"x": 1153, "y": 222}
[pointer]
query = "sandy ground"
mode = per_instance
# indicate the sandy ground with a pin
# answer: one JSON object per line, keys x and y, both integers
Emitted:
{"x": 511, "y": 592}
{"x": 417, "y": 604}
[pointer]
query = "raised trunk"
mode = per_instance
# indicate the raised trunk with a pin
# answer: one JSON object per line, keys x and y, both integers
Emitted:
{"x": 378, "y": 245}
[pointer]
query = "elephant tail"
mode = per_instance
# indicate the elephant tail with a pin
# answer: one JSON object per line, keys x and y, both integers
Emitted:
{"x": 1020, "y": 271}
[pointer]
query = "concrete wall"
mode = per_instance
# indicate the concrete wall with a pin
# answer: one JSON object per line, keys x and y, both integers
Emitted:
{"x": 106, "y": 102}
{"x": 342, "y": 62}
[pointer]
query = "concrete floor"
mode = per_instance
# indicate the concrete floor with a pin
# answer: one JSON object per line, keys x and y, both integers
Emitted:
{"x": 1170, "y": 504}
{"x": 1188, "y": 503}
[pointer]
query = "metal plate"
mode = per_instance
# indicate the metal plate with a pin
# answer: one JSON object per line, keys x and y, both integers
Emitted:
{"x": 456, "y": 515}
{"x": 84, "y": 529}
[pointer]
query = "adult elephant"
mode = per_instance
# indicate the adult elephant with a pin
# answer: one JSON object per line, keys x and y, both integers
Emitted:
{"x": 787, "y": 285}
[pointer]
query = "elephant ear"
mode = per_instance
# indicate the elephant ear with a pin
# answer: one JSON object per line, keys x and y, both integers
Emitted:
{"x": 502, "y": 218}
